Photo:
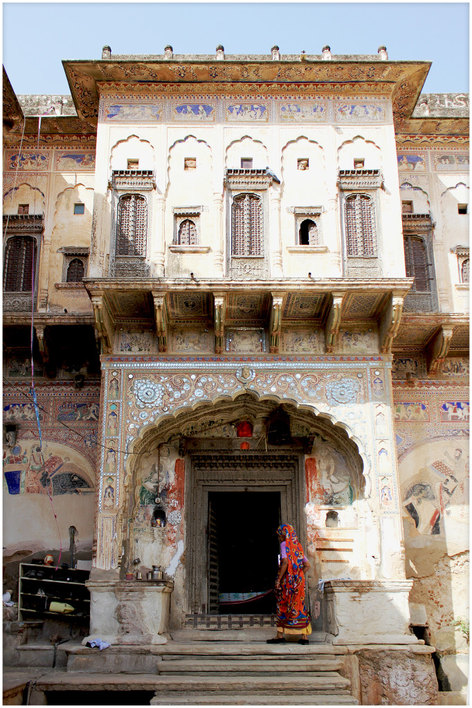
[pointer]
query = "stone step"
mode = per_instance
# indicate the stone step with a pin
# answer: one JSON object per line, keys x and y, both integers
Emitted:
{"x": 251, "y": 665}
{"x": 256, "y": 685}
{"x": 253, "y": 648}
{"x": 281, "y": 698}
{"x": 245, "y": 634}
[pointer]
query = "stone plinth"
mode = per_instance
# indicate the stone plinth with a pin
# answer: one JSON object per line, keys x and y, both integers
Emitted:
{"x": 129, "y": 612}
{"x": 369, "y": 611}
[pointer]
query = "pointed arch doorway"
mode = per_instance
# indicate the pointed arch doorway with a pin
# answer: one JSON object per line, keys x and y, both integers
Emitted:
{"x": 238, "y": 500}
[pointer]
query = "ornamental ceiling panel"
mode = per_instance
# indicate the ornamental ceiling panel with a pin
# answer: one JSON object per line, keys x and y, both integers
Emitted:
{"x": 133, "y": 305}
{"x": 460, "y": 339}
{"x": 362, "y": 306}
{"x": 242, "y": 308}
{"x": 414, "y": 336}
{"x": 189, "y": 307}
{"x": 304, "y": 307}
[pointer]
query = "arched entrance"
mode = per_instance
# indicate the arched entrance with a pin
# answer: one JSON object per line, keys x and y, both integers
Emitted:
{"x": 243, "y": 468}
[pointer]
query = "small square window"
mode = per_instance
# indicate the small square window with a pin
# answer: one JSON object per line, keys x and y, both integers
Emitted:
{"x": 23, "y": 208}
{"x": 359, "y": 163}
{"x": 303, "y": 163}
{"x": 407, "y": 207}
{"x": 246, "y": 163}
{"x": 133, "y": 164}
{"x": 79, "y": 208}
{"x": 462, "y": 209}
{"x": 190, "y": 163}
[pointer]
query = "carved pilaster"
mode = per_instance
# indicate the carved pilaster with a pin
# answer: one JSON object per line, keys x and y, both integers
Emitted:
{"x": 275, "y": 325}
{"x": 438, "y": 349}
{"x": 160, "y": 311}
{"x": 103, "y": 324}
{"x": 332, "y": 322}
{"x": 390, "y": 322}
{"x": 218, "y": 256}
{"x": 220, "y": 317}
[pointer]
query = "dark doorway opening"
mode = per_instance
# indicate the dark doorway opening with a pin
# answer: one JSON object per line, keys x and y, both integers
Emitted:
{"x": 242, "y": 551}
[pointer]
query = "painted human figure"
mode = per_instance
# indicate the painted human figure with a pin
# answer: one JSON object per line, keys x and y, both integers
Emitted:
{"x": 422, "y": 504}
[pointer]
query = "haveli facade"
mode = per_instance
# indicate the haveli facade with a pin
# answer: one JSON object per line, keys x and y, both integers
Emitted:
{"x": 248, "y": 278}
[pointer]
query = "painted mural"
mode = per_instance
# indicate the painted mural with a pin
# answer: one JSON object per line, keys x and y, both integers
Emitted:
{"x": 74, "y": 161}
{"x": 53, "y": 469}
{"x": 433, "y": 458}
{"x": 60, "y": 457}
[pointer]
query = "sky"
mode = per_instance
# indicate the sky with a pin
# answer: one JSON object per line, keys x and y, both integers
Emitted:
{"x": 37, "y": 36}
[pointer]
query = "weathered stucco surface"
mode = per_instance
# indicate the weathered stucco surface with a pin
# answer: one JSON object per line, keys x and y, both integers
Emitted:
{"x": 397, "y": 678}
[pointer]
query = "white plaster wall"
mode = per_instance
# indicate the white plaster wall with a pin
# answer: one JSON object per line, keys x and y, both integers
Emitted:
{"x": 218, "y": 147}
{"x": 29, "y": 523}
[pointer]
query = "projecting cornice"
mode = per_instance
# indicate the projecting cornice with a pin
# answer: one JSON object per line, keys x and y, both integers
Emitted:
{"x": 398, "y": 80}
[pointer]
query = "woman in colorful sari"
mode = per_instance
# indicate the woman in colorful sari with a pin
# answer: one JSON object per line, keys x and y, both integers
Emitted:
{"x": 292, "y": 615}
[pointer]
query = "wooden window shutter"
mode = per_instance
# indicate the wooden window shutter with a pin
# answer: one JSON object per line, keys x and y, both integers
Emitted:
{"x": 132, "y": 226}
{"x": 20, "y": 259}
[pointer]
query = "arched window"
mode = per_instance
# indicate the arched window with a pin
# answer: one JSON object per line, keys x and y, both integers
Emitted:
{"x": 20, "y": 260}
{"x": 308, "y": 233}
{"x": 360, "y": 225}
{"x": 416, "y": 263}
{"x": 132, "y": 226}
{"x": 465, "y": 271}
{"x": 75, "y": 271}
{"x": 187, "y": 235}
{"x": 246, "y": 226}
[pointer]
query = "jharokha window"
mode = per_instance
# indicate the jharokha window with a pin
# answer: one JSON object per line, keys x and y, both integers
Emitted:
{"x": 20, "y": 260}
{"x": 465, "y": 271}
{"x": 75, "y": 271}
{"x": 132, "y": 226}
{"x": 360, "y": 226}
{"x": 187, "y": 235}
{"x": 416, "y": 263}
{"x": 246, "y": 226}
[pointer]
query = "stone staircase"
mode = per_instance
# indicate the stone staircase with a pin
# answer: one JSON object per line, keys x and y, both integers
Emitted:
{"x": 207, "y": 673}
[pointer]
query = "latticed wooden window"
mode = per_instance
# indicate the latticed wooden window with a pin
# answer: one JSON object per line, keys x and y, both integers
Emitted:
{"x": 308, "y": 233}
{"x": 187, "y": 233}
{"x": 360, "y": 226}
{"x": 20, "y": 260}
{"x": 416, "y": 263}
{"x": 75, "y": 271}
{"x": 246, "y": 226}
{"x": 465, "y": 271}
{"x": 132, "y": 226}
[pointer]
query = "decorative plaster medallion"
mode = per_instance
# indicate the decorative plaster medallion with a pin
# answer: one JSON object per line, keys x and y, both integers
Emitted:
{"x": 245, "y": 375}
{"x": 148, "y": 393}
{"x": 343, "y": 391}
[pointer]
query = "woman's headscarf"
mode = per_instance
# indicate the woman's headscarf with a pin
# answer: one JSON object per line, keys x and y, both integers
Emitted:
{"x": 295, "y": 555}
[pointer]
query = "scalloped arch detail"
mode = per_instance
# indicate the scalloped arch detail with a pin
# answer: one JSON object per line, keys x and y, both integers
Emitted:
{"x": 181, "y": 141}
{"x": 126, "y": 140}
{"x": 12, "y": 190}
{"x": 241, "y": 140}
{"x": 168, "y": 426}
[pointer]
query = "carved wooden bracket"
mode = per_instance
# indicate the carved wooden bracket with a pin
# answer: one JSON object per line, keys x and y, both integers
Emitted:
{"x": 275, "y": 324}
{"x": 43, "y": 348}
{"x": 103, "y": 324}
{"x": 390, "y": 322}
{"x": 220, "y": 318}
{"x": 438, "y": 349}
{"x": 332, "y": 322}
{"x": 160, "y": 311}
